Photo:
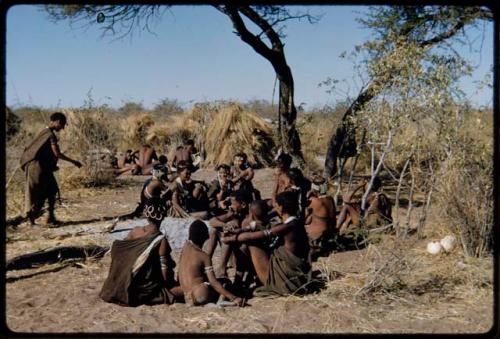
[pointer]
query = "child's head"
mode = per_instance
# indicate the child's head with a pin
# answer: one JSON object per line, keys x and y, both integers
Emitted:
{"x": 223, "y": 171}
{"x": 198, "y": 232}
{"x": 240, "y": 159}
{"x": 259, "y": 209}
{"x": 184, "y": 170}
{"x": 287, "y": 203}
{"x": 239, "y": 202}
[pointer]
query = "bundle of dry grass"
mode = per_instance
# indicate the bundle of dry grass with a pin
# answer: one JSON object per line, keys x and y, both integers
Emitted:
{"x": 159, "y": 135}
{"x": 233, "y": 130}
{"x": 135, "y": 129}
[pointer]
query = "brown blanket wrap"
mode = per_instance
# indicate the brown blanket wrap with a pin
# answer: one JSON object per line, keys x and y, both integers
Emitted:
{"x": 146, "y": 286}
{"x": 39, "y": 164}
{"x": 288, "y": 274}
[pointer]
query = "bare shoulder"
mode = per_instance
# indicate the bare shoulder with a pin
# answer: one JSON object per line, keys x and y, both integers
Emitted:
{"x": 135, "y": 233}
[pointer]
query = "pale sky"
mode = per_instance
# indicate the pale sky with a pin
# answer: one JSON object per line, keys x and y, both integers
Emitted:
{"x": 194, "y": 56}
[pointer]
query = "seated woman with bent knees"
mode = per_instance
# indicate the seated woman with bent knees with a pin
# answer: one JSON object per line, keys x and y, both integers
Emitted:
{"x": 196, "y": 273}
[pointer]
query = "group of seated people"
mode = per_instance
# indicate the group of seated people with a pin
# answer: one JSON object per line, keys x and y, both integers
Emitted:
{"x": 142, "y": 161}
{"x": 272, "y": 242}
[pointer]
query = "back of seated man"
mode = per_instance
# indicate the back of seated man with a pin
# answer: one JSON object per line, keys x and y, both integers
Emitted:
{"x": 185, "y": 153}
{"x": 320, "y": 218}
{"x": 196, "y": 273}
{"x": 190, "y": 196}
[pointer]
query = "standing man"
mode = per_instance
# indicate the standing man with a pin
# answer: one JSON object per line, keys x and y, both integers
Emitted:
{"x": 39, "y": 162}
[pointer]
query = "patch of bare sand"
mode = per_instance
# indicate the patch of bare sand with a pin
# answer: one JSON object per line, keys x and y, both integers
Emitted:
{"x": 67, "y": 300}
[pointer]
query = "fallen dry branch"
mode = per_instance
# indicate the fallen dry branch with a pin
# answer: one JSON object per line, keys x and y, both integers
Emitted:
{"x": 53, "y": 255}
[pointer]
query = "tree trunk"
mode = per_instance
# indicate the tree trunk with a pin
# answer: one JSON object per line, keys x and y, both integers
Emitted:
{"x": 337, "y": 146}
{"x": 290, "y": 137}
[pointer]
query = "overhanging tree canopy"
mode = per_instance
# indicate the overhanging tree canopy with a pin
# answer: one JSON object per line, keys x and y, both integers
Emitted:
{"x": 120, "y": 20}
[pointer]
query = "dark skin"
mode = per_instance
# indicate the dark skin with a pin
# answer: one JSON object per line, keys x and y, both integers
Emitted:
{"x": 199, "y": 189}
{"x": 58, "y": 125}
{"x": 223, "y": 222}
{"x": 241, "y": 174}
{"x": 293, "y": 241}
{"x": 320, "y": 214}
{"x": 351, "y": 212}
{"x": 192, "y": 274}
{"x": 280, "y": 182}
{"x": 147, "y": 159}
{"x": 163, "y": 250}
{"x": 253, "y": 249}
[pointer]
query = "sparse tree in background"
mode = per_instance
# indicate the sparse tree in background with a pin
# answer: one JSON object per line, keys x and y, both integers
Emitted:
{"x": 120, "y": 20}
{"x": 413, "y": 98}
{"x": 427, "y": 30}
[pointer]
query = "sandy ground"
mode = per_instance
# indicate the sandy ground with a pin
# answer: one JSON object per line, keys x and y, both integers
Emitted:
{"x": 64, "y": 297}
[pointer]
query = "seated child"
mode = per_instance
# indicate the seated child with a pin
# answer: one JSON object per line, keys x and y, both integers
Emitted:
{"x": 196, "y": 273}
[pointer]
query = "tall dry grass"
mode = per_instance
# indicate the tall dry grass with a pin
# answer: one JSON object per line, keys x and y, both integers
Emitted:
{"x": 88, "y": 138}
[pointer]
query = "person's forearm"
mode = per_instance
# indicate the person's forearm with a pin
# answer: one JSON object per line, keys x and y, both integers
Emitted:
{"x": 65, "y": 158}
{"x": 214, "y": 222}
{"x": 247, "y": 236}
{"x": 221, "y": 290}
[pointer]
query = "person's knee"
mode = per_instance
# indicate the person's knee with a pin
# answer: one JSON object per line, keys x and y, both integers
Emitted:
{"x": 201, "y": 294}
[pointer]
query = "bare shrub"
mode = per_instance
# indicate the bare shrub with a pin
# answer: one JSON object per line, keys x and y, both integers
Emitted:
{"x": 91, "y": 140}
{"x": 135, "y": 129}
{"x": 466, "y": 201}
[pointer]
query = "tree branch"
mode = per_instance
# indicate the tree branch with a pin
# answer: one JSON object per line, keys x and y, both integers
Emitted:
{"x": 241, "y": 30}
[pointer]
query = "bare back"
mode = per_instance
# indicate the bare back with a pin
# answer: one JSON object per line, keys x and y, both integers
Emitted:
{"x": 322, "y": 215}
{"x": 192, "y": 267}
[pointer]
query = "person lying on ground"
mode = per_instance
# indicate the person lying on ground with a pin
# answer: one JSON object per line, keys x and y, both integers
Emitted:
{"x": 320, "y": 218}
{"x": 286, "y": 269}
{"x": 196, "y": 273}
{"x": 230, "y": 220}
{"x": 190, "y": 196}
{"x": 377, "y": 214}
{"x": 39, "y": 162}
{"x": 219, "y": 191}
{"x": 142, "y": 269}
{"x": 154, "y": 187}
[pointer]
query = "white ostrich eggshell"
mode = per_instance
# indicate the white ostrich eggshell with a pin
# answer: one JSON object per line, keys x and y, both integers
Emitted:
{"x": 448, "y": 243}
{"x": 434, "y": 247}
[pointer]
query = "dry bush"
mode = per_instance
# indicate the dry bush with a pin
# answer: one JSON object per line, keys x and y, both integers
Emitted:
{"x": 135, "y": 129}
{"x": 465, "y": 197}
{"x": 91, "y": 140}
{"x": 159, "y": 135}
{"x": 405, "y": 270}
